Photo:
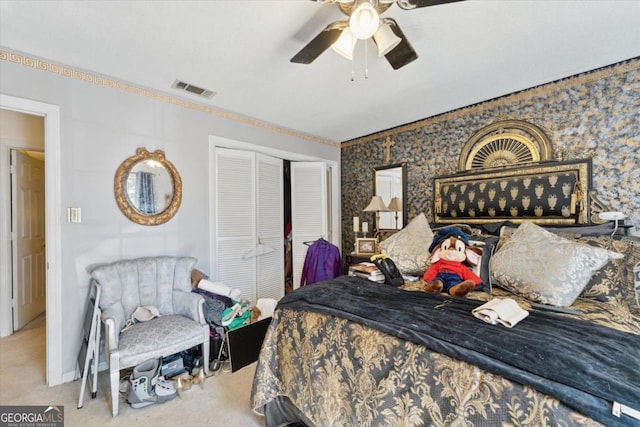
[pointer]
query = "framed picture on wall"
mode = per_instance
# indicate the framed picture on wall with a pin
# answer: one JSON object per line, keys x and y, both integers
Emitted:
{"x": 366, "y": 246}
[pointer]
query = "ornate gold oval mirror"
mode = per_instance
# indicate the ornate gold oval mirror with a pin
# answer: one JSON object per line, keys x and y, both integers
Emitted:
{"x": 148, "y": 188}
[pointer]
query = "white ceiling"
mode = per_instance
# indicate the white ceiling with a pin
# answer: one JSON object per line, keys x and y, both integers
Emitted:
{"x": 469, "y": 52}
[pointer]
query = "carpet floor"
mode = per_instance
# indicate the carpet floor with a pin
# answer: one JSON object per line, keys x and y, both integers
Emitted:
{"x": 222, "y": 401}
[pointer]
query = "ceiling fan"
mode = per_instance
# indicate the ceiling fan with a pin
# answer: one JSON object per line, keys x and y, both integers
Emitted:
{"x": 364, "y": 22}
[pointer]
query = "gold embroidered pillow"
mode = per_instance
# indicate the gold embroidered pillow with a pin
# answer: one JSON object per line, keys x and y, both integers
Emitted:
{"x": 544, "y": 267}
{"x": 409, "y": 247}
{"x": 609, "y": 284}
{"x": 633, "y": 275}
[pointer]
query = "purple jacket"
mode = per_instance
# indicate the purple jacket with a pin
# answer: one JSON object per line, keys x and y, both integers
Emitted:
{"x": 322, "y": 262}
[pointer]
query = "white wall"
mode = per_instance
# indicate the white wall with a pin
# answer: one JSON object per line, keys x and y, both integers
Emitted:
{"x": 102, "y": 126}
{"x": 22, "y": 130}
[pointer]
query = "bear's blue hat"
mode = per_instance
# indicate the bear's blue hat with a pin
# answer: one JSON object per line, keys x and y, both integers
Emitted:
{"x": 445, "y": 233}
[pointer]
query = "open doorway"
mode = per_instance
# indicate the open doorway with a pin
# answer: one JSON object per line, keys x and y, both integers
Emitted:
{"x": 13, "y": 109}
{"x": 22, "y": 140}
{"x": 288, "y": 244}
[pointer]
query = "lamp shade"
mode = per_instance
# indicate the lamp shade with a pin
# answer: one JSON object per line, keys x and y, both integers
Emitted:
{"x": 386, "y": 39}
{"x": 345, "y": 44}
{"x": 364, "y": 21}
{"x": 376, "y": 205}
{"x": 395, "y": 205}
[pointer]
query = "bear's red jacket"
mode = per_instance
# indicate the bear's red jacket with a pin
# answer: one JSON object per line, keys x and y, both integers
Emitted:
{"x": 444, "y": 266}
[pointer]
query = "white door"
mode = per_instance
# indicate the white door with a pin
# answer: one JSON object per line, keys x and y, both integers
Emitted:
{"x": 249, "y": 247}
{"x": 235, "y": 219}
{"x": 270, "y": 227}
{"x": 28, "y": 219}
{"x": 309, "y": 210}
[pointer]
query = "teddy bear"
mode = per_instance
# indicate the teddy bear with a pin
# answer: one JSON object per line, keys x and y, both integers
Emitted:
{"x": 451, "y": 262}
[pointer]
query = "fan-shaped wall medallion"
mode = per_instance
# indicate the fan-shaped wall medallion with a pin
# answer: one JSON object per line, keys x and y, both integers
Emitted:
{"x": 505, "y": 143}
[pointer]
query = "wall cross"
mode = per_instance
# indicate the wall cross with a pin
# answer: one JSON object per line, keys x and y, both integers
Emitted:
{"x": 387, "y": 145}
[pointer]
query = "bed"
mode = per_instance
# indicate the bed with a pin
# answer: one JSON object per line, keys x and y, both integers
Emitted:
{"x": 351, "y": 352}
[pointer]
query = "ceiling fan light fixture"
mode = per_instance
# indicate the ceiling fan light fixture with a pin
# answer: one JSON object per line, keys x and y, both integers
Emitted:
{"x": 386, "y": 39}
{"x": 364, "y": 21}
{"x": 345, "y": 44}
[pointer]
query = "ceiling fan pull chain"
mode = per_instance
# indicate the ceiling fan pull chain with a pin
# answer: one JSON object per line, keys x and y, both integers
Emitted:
{"x": 353, "y": 73}
{"x": 366, "y": 63}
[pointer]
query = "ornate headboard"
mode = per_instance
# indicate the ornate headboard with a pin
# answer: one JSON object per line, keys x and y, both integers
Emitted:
{"x": 506, "y": 172}
{"x": 545, "y": 193}
{"x": 505, "y": 143}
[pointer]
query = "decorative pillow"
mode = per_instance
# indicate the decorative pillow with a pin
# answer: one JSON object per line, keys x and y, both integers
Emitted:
{"x": 633, "y": 274}
{"x": 505, "y": 235}
{"x": 488, "y": 245}
{"x": 409, "y": 247}
{"x": 546, "y": 268}
{"x": 609, "y": 284}
{"x": 568, "y": 231}
{"x": 584, "y": 230}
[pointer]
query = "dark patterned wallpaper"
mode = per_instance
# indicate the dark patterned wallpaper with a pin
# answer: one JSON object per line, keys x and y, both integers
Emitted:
{"x": 592, "y": 115}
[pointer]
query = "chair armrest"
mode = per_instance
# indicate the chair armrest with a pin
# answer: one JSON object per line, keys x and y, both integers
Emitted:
{"x": 189, "y": 305}
{"x": 113, "y": 320}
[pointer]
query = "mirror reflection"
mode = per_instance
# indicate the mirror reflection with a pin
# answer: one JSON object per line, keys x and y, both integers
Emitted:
{"x": 389, "y": 184}
{"x": 149, "y": 187}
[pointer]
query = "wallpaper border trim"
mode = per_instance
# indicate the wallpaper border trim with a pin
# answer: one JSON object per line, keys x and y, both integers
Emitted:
{"x": 571, "y": 81}
{"x": 74, "y": 73}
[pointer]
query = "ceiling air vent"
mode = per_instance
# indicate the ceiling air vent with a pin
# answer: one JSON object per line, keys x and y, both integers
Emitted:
{"x": 192, "y": 89}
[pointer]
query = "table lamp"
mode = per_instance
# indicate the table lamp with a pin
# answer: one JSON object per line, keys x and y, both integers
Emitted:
{"x": 376, "y": 205}
{"x": 395, "y": 205}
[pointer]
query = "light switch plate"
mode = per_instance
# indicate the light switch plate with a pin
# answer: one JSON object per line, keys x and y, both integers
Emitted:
{"x": 74, "y": 214}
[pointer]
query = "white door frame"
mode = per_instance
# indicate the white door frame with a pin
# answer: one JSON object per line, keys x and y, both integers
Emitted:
{"x": 51, "y": 114}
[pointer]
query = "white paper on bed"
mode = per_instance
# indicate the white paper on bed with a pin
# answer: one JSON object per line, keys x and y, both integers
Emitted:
{"x": 505, "y": 311}
{"x": 219, "y": 288}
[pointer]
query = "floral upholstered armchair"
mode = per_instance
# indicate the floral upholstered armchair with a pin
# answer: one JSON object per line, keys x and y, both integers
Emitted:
{"x": 162, "y": 282}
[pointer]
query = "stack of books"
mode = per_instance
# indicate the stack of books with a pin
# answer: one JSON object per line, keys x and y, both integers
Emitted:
{"x": 367, "y": 270}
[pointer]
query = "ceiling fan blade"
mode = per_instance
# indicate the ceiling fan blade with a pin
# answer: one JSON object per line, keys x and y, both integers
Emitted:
{"x": 402, "y": 54}
{"x": 414, "y": 4}
{"x": 320, "y": 43}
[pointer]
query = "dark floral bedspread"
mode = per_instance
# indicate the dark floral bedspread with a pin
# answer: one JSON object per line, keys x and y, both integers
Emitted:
{"x": 342, "y": 373}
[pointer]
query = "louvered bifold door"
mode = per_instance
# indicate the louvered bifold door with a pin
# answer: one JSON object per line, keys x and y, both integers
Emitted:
{"x": 309, "y": 210}
{"x": 236, "y": 220}
{"x": 270, "y": 228}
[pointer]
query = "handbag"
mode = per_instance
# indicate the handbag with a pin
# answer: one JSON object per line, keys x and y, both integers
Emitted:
{"x": 141, "y": 314}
